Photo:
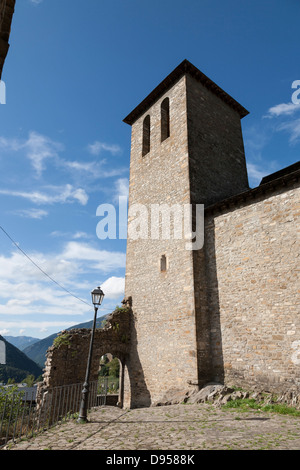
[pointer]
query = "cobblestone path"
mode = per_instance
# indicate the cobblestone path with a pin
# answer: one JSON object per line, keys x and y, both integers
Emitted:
{"x": 175, "y": 427}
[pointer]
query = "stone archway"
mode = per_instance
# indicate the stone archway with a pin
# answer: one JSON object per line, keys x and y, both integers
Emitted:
{"x": 67, "y": 357}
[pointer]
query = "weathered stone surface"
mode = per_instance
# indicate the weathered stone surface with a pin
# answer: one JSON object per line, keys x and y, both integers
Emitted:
{"x": 210, "y": 393}
{"x": 219, "y": 394}
{"x": 252, "y": 279}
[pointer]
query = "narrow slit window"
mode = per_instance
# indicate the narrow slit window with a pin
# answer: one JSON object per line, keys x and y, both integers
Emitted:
{"x": 165, "y": 119}
{"x": 163, "y": 263}
{"x": 146, "y": 135}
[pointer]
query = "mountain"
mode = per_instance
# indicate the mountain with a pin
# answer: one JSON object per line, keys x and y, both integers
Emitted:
{"x": 37, "y": 351}
{"x": 21, "y": 342}
{"x": 17, "y": 365}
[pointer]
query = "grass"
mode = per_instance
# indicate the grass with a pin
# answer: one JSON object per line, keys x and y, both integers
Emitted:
{"x": 246, "y": 404}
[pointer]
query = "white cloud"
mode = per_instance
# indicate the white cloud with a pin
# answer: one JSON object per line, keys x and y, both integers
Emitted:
{"x": 17, "y": 267}
{"x": 32, "y": 213}
{"x": 255, "y": 172}
{"x": 7, "y": 327}
{"x": 78, "y": 235}
{"x": 31, "y": 300}
{"x": 4, "y": 332}
{"x": 102, "y": 260}
{"x": 293, "y": 127}
{"x": 114, "y": 287}
{"x": 10, "y": 144}
{"x": 121, "y": 188}
{"x": 56, "y": 194}
{"x": 97, "y": 147}
{"x": 37, "y": 298}
{"x": 112, "y": 173}
{"x": 75, "y": 165}
{"x": 80, "y": 195}
{"x": 91, "y": 171}
{"x": 75, "y": 258}
{"x": 38, "y": 148}
{"x": 75, "y": 236}
{"x": 256, "y": 138}
{"x": 283, "y": 109}
{"x": 258, "y": 169}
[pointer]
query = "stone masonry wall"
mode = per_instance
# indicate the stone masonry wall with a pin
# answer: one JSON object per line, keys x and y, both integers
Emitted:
{"x": 216, "y": 148}
{"x": 252, "y": 289}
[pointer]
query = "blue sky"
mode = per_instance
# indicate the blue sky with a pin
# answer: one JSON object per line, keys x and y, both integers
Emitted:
{"x": 75, "y": 69}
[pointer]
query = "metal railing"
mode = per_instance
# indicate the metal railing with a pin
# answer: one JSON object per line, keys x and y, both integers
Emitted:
{"x": 23, "y": 414}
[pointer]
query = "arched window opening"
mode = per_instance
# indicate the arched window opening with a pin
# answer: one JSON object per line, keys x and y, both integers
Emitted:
{"x": 165, "y": 119}
{"x": 146, "y": 135}
{"x": 163, "y": 263}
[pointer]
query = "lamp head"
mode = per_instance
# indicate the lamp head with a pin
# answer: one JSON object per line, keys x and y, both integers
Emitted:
{"x": 97, "y": 296}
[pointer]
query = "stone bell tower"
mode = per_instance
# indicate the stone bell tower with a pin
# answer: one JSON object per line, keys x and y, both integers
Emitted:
{"x": 186, "y": 148}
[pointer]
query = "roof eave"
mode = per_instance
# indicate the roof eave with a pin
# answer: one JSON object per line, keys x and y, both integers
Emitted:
{"x": 184, "y": 68}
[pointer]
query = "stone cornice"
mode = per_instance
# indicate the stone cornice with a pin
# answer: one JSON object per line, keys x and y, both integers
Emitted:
{"x": 284, "y": 180}
{"x": 182, "y": 69}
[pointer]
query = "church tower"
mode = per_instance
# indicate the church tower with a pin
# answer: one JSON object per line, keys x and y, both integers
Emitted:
{"x": 186, "y": 149}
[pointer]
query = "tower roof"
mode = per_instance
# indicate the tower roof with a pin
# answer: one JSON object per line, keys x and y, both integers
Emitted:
{"x": 184, "y": 68}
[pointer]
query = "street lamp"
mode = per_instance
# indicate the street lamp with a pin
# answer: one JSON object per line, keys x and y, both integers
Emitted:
{"x": 97, "y": 297}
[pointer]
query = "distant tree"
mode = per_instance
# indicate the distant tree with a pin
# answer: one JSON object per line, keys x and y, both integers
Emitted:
{"x": 8, "y": 397}
{"x": 114, "y": 367}
{"x": 104, "y": 370}
{"x": 29, "y": 380}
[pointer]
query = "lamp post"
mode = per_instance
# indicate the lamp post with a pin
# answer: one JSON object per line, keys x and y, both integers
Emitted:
{"x": 97, "y": 297}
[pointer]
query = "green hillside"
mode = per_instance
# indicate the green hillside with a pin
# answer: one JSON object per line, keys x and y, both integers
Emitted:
{"x": 37, "y": 351}
{"x": 18, "y": 366}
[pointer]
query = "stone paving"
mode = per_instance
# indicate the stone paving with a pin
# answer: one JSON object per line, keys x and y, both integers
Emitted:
{"x": 173, "y": 427}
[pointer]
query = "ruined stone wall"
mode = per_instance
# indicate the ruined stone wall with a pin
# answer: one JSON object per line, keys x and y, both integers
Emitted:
{"x": 66, "y": 360}
{"x": 252, "y": 286}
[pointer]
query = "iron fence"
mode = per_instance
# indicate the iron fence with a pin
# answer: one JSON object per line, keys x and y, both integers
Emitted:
{"x": 23, "y": 414}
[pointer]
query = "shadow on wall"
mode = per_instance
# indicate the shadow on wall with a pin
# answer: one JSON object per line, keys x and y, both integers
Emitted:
{"x": 216, "y": 347}
{"x": 208, "y": 325}
{"x": 140, "y": 395}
